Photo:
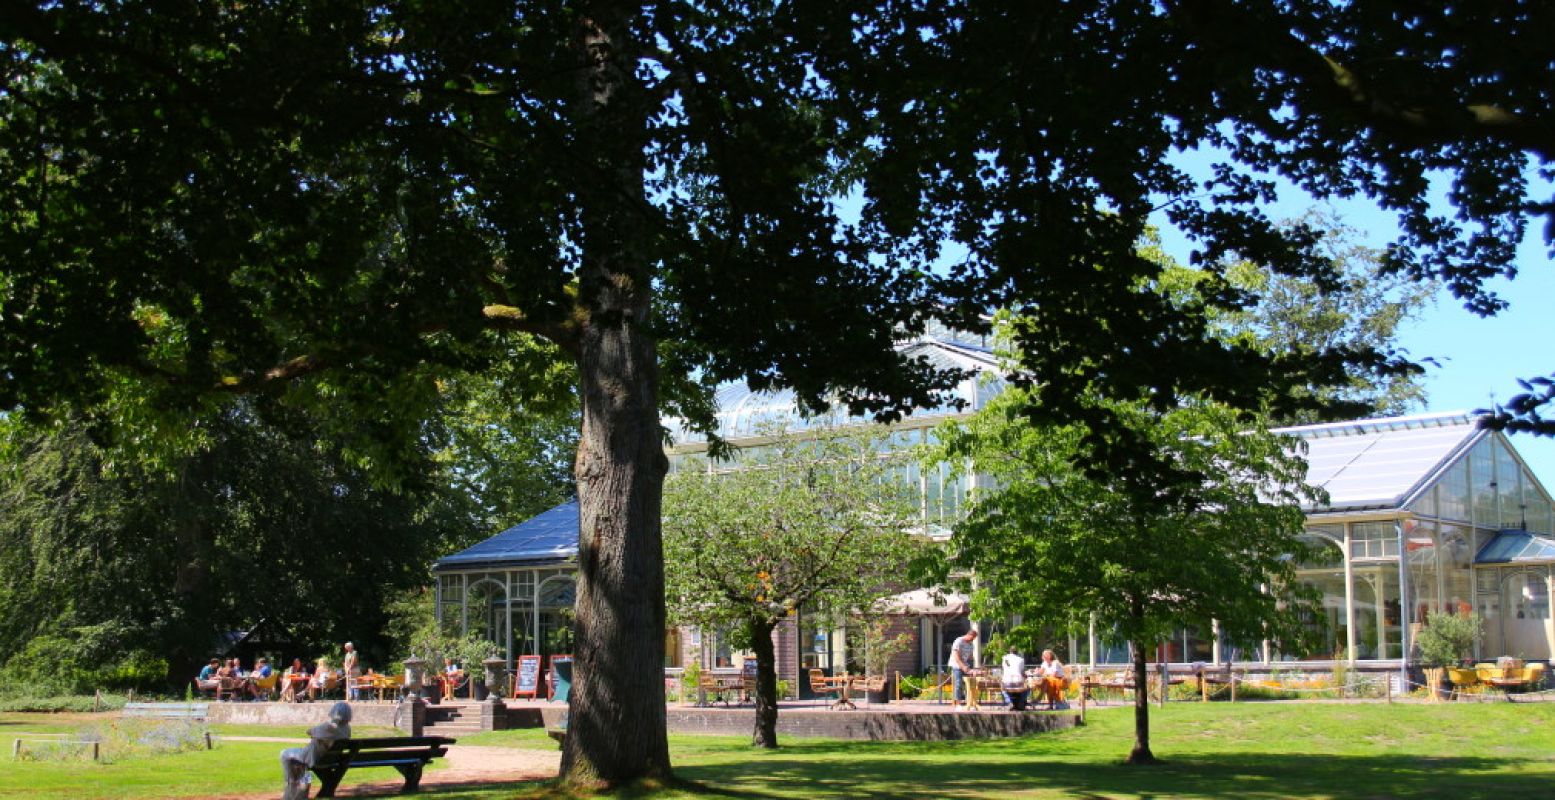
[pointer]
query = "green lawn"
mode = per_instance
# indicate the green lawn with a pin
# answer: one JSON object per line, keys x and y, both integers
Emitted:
{"x": 1246, "y": 750}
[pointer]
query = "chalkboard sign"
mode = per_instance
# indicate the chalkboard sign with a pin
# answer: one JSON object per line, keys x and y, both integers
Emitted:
{"x": 527, "y": 682}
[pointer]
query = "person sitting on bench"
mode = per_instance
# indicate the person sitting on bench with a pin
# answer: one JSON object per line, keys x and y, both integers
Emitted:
{"x": 1012, "y": 678}
{"x": 296, "y": 761}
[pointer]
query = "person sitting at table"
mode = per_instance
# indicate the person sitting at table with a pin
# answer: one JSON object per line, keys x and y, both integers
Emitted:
{"x": 295, "y": 674}
{"x": 1012, "y": 678}
{"x": 321, "y": 679}
{"x": 260, "y": 681}
{"x": 1051, "y": 671}
{"x": 227, "y": 677}
{"x": 208, "y": 679}
{"x": 453, "y": 678}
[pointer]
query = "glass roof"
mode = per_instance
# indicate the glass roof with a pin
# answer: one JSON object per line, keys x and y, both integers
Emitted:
{"x": 1511, "y": 547}
{"x": 1383, "y": 463}
{"x": 743, "y": 414}
{"x": 546, "y": 539}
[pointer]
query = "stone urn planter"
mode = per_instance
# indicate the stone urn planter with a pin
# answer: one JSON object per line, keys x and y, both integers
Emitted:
{"x": 493, "y": 668}
{"x": 415, "y": 676}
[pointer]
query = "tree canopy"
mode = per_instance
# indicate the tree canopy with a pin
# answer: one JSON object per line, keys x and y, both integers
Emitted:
{"x": 317, "y": 199}
{"x": 1056, "y": 546}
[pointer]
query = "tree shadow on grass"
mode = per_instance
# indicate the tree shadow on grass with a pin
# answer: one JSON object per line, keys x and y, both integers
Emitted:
{"x": 1233, "y": 775}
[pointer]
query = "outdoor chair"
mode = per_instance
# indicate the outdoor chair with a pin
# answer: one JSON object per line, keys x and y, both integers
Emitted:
{"x": 266, "y": 686}
{"x": 1533, "y": 675}
{"x": 1464, "y": 681}
{"x": 818, "y": 685}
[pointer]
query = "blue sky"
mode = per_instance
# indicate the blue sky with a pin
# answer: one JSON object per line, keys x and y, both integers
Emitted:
{"x": 1477, "y": 356}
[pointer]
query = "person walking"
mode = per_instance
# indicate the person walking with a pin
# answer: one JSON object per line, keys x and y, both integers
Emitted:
{"x": 962, "y": 654}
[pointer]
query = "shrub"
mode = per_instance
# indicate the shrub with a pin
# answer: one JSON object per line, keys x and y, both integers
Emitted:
{"x": 60, "y": 703}
{"x": 82, "y": 660}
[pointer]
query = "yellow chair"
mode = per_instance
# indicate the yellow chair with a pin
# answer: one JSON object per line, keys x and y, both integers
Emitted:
{"x": 1534, "y": 675}
{"x": 266, "y": 686}
{"x": 1464, "y": 681}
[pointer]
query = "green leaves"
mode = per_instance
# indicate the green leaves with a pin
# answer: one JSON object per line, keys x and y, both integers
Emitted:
{"x": 816, "y": 521}
{"x": 1057, "y": 543}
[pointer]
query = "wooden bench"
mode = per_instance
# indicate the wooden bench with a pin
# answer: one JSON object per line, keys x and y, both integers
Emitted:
{"x": 408, "y": 754}
{"x": 195, "y": 712}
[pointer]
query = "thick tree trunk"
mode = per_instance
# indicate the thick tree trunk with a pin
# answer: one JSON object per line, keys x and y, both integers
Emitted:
{"x": 766, "y": 684}
{"x": 1141, "y": 753}
{"x": 616, "y": 731}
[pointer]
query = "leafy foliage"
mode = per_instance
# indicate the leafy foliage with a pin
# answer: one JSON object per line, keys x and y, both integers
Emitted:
{"x": 241, "y": 198}
{"x": 815, "y": 521}
{"x": 1353, "y": 305}
{"x": 1447, "y": 638}
{"x": 1058, "y": 546}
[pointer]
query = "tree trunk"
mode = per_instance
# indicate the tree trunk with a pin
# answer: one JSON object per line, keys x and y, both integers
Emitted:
{"x": 766, "y": 684}
{"x": 616, "y": 731}
{"x": 1141, "y": 753}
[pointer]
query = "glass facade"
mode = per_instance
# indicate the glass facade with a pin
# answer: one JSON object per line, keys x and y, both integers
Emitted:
{"x": 1487, "y": 490}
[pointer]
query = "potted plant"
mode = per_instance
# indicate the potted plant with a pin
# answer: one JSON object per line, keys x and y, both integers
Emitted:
{"x": 1443, "y": 642}
{"x": 879, "y": 648}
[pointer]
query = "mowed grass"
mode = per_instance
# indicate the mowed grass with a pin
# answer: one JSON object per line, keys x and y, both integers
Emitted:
{"x": 1220, "y": 750}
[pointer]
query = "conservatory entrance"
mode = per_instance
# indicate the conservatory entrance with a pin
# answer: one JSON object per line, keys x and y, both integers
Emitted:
{"x": 1514, "y": 603}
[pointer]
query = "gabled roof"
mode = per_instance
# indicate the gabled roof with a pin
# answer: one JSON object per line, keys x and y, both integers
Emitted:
{"x": 550, "y": 538}
{"x": 1383, "y": 463}
{"x": 743, "y": 413}
{"x": 1516, "y": 547}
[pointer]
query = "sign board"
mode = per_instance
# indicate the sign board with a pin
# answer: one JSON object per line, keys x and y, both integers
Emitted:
{"x": 527, "y": 682}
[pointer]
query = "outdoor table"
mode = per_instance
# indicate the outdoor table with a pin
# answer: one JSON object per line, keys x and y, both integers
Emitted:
{"x": 842, "y": 685}
{"x": 719, "y": 685}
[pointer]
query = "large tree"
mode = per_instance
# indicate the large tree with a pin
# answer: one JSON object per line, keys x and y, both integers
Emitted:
{"x": 120, "y": 559}
{"x": 238, "y": 197}
{"x": 1354, "y": 304}
{"x": 816, "y": 522}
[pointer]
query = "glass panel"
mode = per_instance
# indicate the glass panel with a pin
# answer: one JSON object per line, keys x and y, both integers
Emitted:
{"x": 1420, "y": 544}
{"x": 1452, "y": 492}
{"x": 1489, "y": 603}
{"x": 1376, "y": 612}
{"x": 1456, "y": 557}
{"x": 1526, "y": 600}
{"x": 1426, "y": 505}
{"x": 1482, "y": 475}
{"x": 1328, "y": 624}
{"x": 1373, "y": 540}
{"x": 1541, "y": 516}
{"x": 1325, "y": 541}
{"x": 1509, "y": 487}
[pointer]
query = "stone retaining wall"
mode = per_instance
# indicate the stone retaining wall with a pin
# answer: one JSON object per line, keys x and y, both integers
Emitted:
{"x": 871, "y": 725}
{"x": 407, "y": 717}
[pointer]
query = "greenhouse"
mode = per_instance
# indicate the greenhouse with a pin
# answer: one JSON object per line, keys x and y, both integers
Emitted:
{"x": 1424, "y": 513}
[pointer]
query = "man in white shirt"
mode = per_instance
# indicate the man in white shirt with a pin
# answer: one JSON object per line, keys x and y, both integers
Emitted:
{"x": 961, "y": 656}
{"x": 1012, "y": 675}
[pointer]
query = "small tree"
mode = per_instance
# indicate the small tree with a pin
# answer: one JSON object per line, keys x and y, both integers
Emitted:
{"x": 879, "y": 645}
{"x": 1447, "y": 638}
{"x": 1061, "y": 543}
{"x": 814, "y": 522}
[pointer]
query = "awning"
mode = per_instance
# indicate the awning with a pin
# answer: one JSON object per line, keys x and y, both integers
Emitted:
{"x": 1517, "y": 547}
{"x": 935, "y": 603}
